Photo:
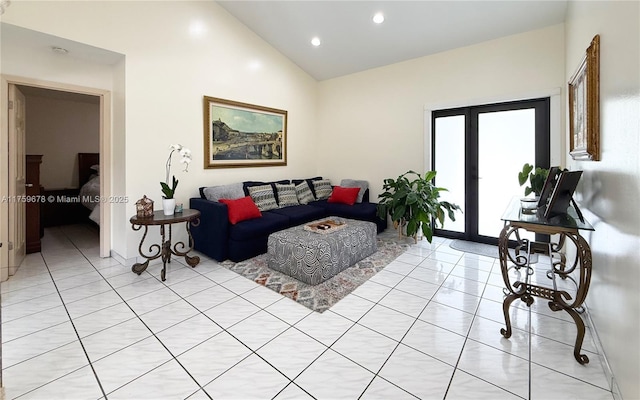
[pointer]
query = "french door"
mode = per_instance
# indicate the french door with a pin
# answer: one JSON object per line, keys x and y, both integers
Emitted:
{"x": 477, "y": 153}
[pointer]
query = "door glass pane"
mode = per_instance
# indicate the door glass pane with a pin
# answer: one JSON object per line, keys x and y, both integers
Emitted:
{"x": 450, "y": 165}
{"x": 506, "y": 140}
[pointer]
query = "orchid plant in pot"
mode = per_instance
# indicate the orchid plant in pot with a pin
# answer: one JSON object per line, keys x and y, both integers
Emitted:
{"x": 168, "y": 200}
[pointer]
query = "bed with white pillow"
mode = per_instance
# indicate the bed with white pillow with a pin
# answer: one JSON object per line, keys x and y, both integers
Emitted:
{"x": 89, "y": 178}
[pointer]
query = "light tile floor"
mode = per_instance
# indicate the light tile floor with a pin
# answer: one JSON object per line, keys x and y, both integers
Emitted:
{"x": 76, "y": 326}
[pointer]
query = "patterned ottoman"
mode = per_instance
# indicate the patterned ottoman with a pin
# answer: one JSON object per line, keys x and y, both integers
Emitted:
{"x": 314, "y": 255}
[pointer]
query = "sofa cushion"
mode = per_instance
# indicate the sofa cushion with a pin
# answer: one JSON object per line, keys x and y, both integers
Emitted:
{"x": 241, "y": 209}
{"x": 361, "y": 211}
{"x": 263, "y": 197}
{"x": 309, "y": 182}
{"x": 363, "y": 185}
{"x": 232, "y": 191}
{"x": 246, "y": 185}
{"x": 344, "y": 195}
{"x": 303, "y": 193}
{"x": 259, "y": 227}
{"x": 286, "y": 195}
{"x": 301, "y": 214}
{"x": 322, "y": 189}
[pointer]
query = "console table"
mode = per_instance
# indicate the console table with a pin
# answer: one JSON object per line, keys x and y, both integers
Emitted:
{"x": 164, "y": 250}
{"x": 517, "y": 272}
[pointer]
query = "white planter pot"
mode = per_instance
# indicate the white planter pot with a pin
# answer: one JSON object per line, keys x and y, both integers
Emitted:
{"x": 168, "y": 206}
{"x": 529, "y": 204}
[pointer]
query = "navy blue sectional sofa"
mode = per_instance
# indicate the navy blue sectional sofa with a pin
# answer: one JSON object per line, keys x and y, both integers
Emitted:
{"x": 216, "y": 237}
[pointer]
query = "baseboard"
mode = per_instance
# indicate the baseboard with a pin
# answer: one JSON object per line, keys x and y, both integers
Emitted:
{"x": 114, "y": 254}
{"x": 613, "y": 384}
{"x": 130, "y": 261}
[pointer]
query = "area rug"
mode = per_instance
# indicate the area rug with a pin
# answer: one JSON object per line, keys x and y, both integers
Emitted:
{"x": 482, "y": 249}
{"x": 321, "y": 297}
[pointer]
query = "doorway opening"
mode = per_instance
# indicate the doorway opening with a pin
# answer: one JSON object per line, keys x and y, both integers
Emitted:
{"x": 101, "y": 100}
{"x": 478, "y": 152}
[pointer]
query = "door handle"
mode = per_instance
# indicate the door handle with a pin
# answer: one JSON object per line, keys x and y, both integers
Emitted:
{"x": 28, "y": 184}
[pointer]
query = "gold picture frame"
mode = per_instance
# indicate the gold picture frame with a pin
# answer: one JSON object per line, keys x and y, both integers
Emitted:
{"x": 243, "y": 135}
{"x": 584, "y": 106}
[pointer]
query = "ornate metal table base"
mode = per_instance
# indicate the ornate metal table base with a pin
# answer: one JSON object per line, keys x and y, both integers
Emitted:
{"x": 165, "y": 250}
{"x": 558, "y": 299}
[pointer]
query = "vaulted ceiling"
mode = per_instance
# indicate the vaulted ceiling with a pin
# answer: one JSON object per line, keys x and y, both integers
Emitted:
{"x": 351, "y": 42}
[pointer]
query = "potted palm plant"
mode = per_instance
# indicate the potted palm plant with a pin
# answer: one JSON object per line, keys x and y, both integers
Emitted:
{"x": 413, "y": 202}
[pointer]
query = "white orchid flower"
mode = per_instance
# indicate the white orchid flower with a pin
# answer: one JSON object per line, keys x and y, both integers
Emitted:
{"x": 185, "y": 159}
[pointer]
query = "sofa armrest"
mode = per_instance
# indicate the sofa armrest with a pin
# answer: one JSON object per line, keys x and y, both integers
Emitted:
{"x": 211, "y": 236}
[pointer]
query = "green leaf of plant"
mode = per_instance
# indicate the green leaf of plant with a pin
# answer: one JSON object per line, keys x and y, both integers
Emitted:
{"x": 166, "y": 190}
{"x": 398, "y": 213}
{"x": 526, "y": 170}
{"x": 427, "y": 232}
{"x": 412, "y": 198}
{"x": 429, "y": 175}
{"x": 412, "y": 227}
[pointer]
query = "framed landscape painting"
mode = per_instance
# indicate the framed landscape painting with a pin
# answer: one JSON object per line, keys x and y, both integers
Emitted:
{"x": 243, "y": 135}
{"x": 584, "y": 106}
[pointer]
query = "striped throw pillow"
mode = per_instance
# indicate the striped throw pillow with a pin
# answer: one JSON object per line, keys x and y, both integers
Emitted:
{"x": 303, "y": 192}
{"x": 322, "y": 188}
{"x": 263, "y": 197}
{"x": 286, "y": 195}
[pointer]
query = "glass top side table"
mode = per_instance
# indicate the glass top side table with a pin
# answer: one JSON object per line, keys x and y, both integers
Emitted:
{"x": 568, "y": 280}
{"x": 164, "y": 249}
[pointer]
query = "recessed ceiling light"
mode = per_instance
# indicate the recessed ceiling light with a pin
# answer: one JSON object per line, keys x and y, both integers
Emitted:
{"x": 197, "y": 28}
{"x": 315, "y": 41}
{"x": 378, "y": 18}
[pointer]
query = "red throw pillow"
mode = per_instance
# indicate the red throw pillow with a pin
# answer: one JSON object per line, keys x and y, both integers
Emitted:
{"x": 241, "y": 209}
{"x": 344, "y": 195}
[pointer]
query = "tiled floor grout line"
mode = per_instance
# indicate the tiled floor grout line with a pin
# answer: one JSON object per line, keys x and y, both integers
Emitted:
{"x": 73, "y": 324}
{"x": 175, "y": 357}
{"x": 292, "y": 381}
{"x": 369, "y": 310}
{"x": 136, "y": 316}
{"x": 467, "y": 338}
{"x": 399, "y": 342}
{"x": 353, "y": 322}
{"x": 225, "y": 330}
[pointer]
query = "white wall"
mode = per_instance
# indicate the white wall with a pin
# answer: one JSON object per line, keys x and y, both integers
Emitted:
{"x": 610, "y": 188}
{"x": 176, "y": 53}
{"x": 372, "y": 123}
{"x": 60, "y": 129}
